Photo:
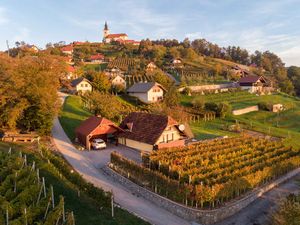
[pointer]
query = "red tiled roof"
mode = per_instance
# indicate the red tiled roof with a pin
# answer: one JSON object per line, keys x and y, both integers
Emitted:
{"x": 116, "y": 35}
{"x": 67, "y": 48}
{"x": 71, "y": 69}
{"x": 90, "y": 124}
{"x": 97, "y": 57}
{"x": 145, "y": 127}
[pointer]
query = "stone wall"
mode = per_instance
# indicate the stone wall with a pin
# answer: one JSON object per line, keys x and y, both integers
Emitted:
{"x": 200, "y": 88}
{"x": 193, "y": 214}
{"x": 245, "y": 110}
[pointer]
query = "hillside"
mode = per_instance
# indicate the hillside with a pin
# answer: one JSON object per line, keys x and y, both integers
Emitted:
{"x": 89, "y": 205}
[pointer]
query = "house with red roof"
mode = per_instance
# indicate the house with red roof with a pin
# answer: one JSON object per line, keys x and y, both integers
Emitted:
{"x": 98, "y": 58}
{"x": 95, "y": 127}
{"x": 147, "y": 132}
{"x": 68, "y": 49}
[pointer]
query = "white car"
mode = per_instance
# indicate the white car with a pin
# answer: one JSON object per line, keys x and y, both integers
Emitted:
{"x": 98, "y": 144}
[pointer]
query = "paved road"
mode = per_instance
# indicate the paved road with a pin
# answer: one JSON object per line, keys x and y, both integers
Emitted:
{"x": 86, "y": 164}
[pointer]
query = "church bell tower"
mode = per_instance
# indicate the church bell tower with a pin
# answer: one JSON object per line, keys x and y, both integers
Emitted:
{"x": 105, "y": 31}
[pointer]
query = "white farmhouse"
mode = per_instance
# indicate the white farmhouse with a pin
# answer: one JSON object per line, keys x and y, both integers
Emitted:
{"x": 118, "y": 80}
{"x": 81, "y": 85}
{"x": 150, "y": 92}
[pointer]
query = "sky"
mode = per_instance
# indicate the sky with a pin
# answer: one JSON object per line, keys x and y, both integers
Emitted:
{"x": 252, "y": 24}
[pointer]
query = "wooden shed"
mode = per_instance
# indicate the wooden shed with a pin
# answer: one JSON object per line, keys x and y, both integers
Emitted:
{"x": 95, "y": 127}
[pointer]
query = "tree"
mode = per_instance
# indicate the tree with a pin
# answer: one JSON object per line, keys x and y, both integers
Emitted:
{"x": 101, "y": 82}
{"x": 161, "y": 78}
{"x": 28, "y": 90}
{"x": 293, "y": 73}
{"x": 199, "y": 103}
{"x": 172, "y": 96}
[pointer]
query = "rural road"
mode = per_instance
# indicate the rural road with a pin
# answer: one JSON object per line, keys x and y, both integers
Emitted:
{"x": 82, "y": 163}
{"x": 88, "y": 163}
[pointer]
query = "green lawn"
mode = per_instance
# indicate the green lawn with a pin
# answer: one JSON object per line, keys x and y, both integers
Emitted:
{"x": 285, "y": 124}
{"x": 207, "y": 130}
{"x": 84, "y": 208}
{"x": 72, "y": 115}
{"x": 96, "y": 67}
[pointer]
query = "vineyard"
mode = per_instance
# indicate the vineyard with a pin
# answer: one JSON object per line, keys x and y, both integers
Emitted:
{"x": 122, "y": 63}
{"x": 212, "y": 172}
{"x": 24, "y": 196}
{"x": 132, "y": 79}
{"x": 37, "y": 186}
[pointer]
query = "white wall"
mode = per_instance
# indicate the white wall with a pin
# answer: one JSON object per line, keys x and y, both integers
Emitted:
{"x": 84, "y": 86}
{"x": 135, "y": 144}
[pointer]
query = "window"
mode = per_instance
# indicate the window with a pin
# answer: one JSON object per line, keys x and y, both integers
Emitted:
{"x": 86, "y": 85}
{"x": 82, "y": 85}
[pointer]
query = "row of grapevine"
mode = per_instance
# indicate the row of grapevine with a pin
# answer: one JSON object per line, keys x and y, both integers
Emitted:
{"x": 212, "y": 172}
{"x": 25, "y": 198}
{"x": 121, "y": 63}
{"x": 132, "y": 79}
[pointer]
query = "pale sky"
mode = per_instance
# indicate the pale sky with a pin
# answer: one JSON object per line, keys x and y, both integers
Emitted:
{"x": 257, "y": 24}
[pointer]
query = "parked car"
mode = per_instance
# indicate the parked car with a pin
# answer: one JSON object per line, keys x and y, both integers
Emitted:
{"x": 98, "y": 144}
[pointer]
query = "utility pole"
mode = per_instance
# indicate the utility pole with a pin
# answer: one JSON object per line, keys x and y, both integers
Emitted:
{"x": 7, "y": 48}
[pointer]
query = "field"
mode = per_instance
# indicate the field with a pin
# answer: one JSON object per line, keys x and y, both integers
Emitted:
{"x": 212, "y": 172}
{"x": 91, "y": 207}
{"x": 72, "y": 115}
{"x": 284, "y": 124}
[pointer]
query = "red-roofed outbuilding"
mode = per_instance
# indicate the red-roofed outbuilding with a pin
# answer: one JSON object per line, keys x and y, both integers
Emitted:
{"x": 95, "y": 127}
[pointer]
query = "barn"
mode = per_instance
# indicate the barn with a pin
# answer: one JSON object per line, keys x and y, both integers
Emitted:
{"x": 95, "y": 127}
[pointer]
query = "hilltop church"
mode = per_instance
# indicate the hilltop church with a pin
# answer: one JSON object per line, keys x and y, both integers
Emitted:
{"x": 122, "y": 38}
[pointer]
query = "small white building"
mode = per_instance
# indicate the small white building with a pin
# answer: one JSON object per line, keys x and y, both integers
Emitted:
{"x": 118, "y": 80}
{"x": 81, "y": 85}
{"x": 151, "y": 66}
{"x": 253, "y": 83}
{"x": 149, "y": 92}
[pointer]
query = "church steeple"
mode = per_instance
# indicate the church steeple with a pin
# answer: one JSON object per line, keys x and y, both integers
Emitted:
{"x": 105, "y": 31}
{"x": 105, "y": 26}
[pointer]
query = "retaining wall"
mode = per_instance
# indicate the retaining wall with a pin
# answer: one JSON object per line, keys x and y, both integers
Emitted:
{"x": 197, "y": 215}
{"x": 200, "y": 88}
{"x": 245, "y": 110}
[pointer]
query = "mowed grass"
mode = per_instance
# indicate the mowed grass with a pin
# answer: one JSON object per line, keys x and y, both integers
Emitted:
{"x": 72, "y": 115}
{"x": 84, "y": 208}
{"x": 285, "y": 124}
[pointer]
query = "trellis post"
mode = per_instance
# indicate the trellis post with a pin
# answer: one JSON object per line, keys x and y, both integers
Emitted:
{"x": 7, "y": 218}
{"x": 52, "y": 196}
{"x": 112, "y": 204}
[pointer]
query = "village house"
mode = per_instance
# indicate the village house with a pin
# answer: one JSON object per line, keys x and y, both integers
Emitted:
{"x": 150, "y": 67}
{"x": 71, "y": 73}
{"x": 147, "y": 132}
{"x": 177, "y": 63}
{"x": 239, "y": 71}
{"x": 81, "y": 85}
{"x": 113, "y": 72}
{"x": 118, "y": 80}
{"x": 98, "y": 58}
{"x": 68, "y": 49}
{"x": 254, "y": 83}
{"x": 68, "y": 59}
{"x": 95, "y": 127}
{"x": 149, "y": 92}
